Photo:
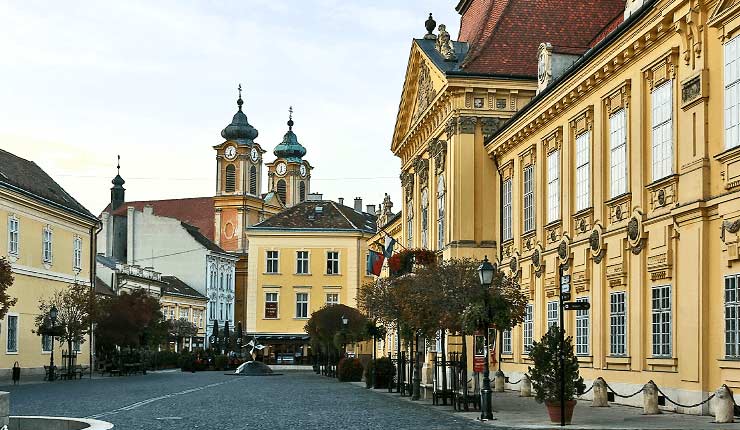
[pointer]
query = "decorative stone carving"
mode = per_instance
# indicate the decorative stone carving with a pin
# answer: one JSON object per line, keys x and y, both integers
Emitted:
{"x": 537, "y": 262}
{"x": 407, "y": 182}
{"x": 564, "y": 250}
{"x": 544, "y": 66}
{"x": 451, "y": 127}
{"x": 514, "y": 264}
{"x": 430, "y": 24}
{"x": 444, "y": 44}
{"x": 659, "y": 266}
{"x": 663, "y": 193}
{"x": 616, "y": 275}
{"x": 729, "y": 226}
{"x": 438, "y": 149}
{"x": 467, "y": 124}
{"x": 583, "y": 221}
{"x": 635, "y": 233}
{"x": 619, "y": 208}
{"x": 421, "y": 167}
{"x": 424, "y": 90}
{"x": 596, "y": 245}
{"x": 489, "y": 126}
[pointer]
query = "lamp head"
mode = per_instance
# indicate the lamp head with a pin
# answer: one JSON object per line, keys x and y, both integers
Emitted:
{"x": 485, "y": 272}
{"x": 345, "y": 321}
{"x": 53, "y": 312}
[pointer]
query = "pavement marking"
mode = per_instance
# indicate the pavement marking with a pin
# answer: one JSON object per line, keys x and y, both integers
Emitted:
{"x": 169, "y": 418}
{"x": 141, "y": 403}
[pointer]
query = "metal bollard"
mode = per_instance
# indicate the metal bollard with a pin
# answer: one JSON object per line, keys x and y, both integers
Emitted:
{"x": 650, "y": 399}
{"x": 601, "y": 398}
{"x": 724, "y": 405}
{"x": 525, "y": 390}
{"x": 16, "y": 373}
{"x": 498, "y": 381}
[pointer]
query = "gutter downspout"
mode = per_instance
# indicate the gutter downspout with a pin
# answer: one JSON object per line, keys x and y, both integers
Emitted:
{"x": 94, "y": 230}
{"x": 499, "y": 333}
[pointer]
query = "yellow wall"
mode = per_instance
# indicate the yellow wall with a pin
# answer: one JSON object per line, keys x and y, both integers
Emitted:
{"x": 36, "y": 280}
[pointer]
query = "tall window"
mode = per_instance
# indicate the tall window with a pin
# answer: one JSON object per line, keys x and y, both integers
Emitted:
{"x": 77, "y": 253}
{"x": 528, "y": 327}
{"x": 12, "y": 345}
{"x": 253, "y": 180}
{"x": 47, "y": 244}
{"x": 229, "y": 284}
{"x": 220, "y": 308}
{"x": 617, "y": 324}
{"x": 185, "y": 314}
{"x": 13, "y": 232}
{"x": 271, "y": 305}
{"x": 528, "y": 198}
{"x": 332, "y": 263}
{"x": 46, "y": 343}
{"x": 301, "y": 260}
{"x": 281, "y": 190}
{"x": 732, "y": 92}
{"x": 410, "y": 224}
{"x": 424, "y": 218}
{"x": 506, "y": 342}
{"x": 272, "y": 262}
{"x": 221, "y": 283}
{"x": 583, "y": 171}
{"x": 506, "y": 209}
{"x": 441, "y": 212}
{"x": 582, "y": 328}
{"x": 661, "y": 321}
{"x": 618, "y": 152}
{"x": 732, "y": 316}
{"x": 662, "y": 99}
{"x": 302, "y": 191}
{"x": 553, "y": 186}
{"x": 332, "y": 298}
{"x": 552, "y": 313}
{"x": 301, "y": 305}
{"x": 230, "y": 178}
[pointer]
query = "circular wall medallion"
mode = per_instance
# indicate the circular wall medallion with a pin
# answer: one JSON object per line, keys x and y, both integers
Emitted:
{"x": 594, "y": 240}
{"x": 661, "y": 197}
{"x": 563, "y": 250}
{"x": 553, "y": 236}
{"x": 618, "y": 213}
{"x": 513, "y": 264}
{"x": 536, "y": 258}
{"x": 229, "y": 230}
{"x": 582, "y": 225}
{"x": 633, "y": 229}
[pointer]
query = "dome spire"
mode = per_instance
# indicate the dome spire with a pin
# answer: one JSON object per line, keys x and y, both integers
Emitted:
{"x": 117, "y": 192}
{"x": 239, "y": 101}
{"x": 240, "y": 130}
{"x": 290, "y": 118}
{"x": 289, "y": 148}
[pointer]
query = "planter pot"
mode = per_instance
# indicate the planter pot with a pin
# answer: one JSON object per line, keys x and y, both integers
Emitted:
{"x": 553, "y": 409}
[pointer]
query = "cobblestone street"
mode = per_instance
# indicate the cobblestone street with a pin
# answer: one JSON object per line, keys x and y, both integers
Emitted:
{"x": 210, "y": 400}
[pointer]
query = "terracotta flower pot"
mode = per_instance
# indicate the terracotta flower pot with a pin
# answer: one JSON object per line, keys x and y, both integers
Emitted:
{"x": 553, "y": 409}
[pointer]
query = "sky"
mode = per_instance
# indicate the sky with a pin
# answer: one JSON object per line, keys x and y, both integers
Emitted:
{"x": 156, "y": 82}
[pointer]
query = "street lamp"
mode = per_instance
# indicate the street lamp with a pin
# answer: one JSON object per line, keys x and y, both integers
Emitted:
{"x": 485, "y": 275}
{"x": 53, "y": 313}
{"x": 345, "y": 323}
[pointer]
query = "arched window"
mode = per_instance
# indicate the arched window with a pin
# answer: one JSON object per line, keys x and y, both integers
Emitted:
{"x": 253, "y": 180}
{"x": 302, "y": 191}
{"x": 281, "y": 190}
{"x": 441, "y": 212}
{"x": 230, "y": 178}
{"x": 424, "y": 218}
{"x": 410, "y": 224}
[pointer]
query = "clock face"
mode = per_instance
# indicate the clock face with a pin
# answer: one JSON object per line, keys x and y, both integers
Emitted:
{"x": 230, "y": 152}
{"x": 281, "y": 169}
{"x": 254, "y": 155}
{"x": 303, "y": 170}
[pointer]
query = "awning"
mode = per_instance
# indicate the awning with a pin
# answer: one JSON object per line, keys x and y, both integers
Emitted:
{"x": 276, "y": 337}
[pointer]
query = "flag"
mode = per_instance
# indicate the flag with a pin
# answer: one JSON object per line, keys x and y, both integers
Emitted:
{"x": 388, "y": 246}
{"x": 375, "y": 263}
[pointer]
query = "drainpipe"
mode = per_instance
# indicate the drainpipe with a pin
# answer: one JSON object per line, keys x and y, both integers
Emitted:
{"x": 94, "y": 230}
{"x": 499, "y": 333}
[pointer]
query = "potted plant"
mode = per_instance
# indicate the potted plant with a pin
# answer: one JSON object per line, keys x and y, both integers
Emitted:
{"x": 546, "y": 374}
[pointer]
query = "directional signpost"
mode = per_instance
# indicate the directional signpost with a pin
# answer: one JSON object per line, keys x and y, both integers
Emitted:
{"x": 577, "y": 306}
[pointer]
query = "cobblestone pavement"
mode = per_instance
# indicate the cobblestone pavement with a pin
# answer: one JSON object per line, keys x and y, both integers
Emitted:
{"x": 212, "y": 400}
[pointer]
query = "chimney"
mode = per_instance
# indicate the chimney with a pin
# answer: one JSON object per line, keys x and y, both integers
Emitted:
{"x": 341, "y": 200}
{"x": 370, "y": 209}
{"x": 358, "y": 204}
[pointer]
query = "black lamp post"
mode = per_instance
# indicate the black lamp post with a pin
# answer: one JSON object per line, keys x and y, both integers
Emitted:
{"x": 345, "y": 323}
{"x": 53, "y": 313}
{"x": 485, "y": 274}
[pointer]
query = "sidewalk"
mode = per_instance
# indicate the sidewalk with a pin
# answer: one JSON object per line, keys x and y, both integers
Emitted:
{"x": 512, "y": 411}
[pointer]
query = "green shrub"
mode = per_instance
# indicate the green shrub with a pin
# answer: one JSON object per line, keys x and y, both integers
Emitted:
{"x": 186, "y": 362}
{"x": 350, "y": 370}
{"x": 545, "y": 374}
{"x": 383, "y": 375}
{"x": 220, "y": 362}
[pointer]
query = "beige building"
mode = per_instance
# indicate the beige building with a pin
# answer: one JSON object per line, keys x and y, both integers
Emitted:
{"x": 48, "y": 238}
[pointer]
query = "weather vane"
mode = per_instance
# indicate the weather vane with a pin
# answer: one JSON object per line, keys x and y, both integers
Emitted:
{"x": 118, "y": 166}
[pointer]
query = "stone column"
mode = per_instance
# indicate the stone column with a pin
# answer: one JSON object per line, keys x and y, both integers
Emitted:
{"x": 600, "y": 400}
{"x": 650, "y": 399}
{"x": 525, "y": 390}
{"x": 724, "y": 405}
{"x": 498, "y": 381}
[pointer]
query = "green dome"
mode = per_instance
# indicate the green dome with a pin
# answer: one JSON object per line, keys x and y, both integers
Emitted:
{"x": 289, "y": 148}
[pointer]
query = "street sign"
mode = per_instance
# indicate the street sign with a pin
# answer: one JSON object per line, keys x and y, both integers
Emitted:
{"x": 565, "y": 288}
{"x": 565, "y": 296}
{"x": 565, "y": 279}
{"x": 577, "y": 306}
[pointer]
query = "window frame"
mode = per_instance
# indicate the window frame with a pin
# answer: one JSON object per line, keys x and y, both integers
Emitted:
{"x": 305, "y": 304}
{"x": 332, "y": 264}
{"x": 332, "y": 302}
{"x": 15, "y": 318}
{"x": 410, "y": 224}
{"x": 553, "y": 186}
{"x": 618, "y": 318}
{"x": 46, "y": 348}
{"x": 47, "y": 245}
{"x": 583, "y": 329}
{"x": 77, "y": 253}
{"x": 230, "y": 178}
{"x": 506, "y": 210}
{"x": 277, "y": 305}
{"x": 441, "y": 202}
{"x": 583, "y": 171}
{"x": 528, "y": 328}
{"x": 425, "y": 218}
{"x": 731, "y": 86}
{"x": 664, "y": 147}
{"x": 664, "y": 324}
{"x": 14, "y": 235}
{"x": 506, "y": 344}
{"x": 302, "y": 264}
{"x": 618, "y": 153}
{"x": 553, "y": 313}
{"x": 274, "y": 260}
{"x": 528, "y": 199}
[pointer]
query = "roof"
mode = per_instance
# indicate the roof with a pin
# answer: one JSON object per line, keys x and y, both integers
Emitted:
{"x": 504, "y": 35}
{"x": 102, "y": 288}
{"x": 176, "y": 287}
{"x": 430, "y": 49}
{"x": 333, "y": 216}
{"x": 27, "y": 177}
{"x": 108, "y": 262}
{"x": 200, "y": 238}
{"x": 196, "y": 211}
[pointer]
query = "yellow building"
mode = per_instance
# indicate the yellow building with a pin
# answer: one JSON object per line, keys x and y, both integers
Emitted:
{"x": 181, "y": 301}
{"x": 47, "y": 237}
{"x": 300, "y": 260}
{"x": 625, "y": 169}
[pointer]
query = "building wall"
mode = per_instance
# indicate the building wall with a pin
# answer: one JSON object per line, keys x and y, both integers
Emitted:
{"x": 190, "y": 308}
{"x": 352, "y": 249}
{"x": 34, "y": 279}
{"x": 663, "y": 231}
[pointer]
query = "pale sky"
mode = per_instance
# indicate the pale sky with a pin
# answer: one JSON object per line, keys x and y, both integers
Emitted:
{"x": 155, "y": 81}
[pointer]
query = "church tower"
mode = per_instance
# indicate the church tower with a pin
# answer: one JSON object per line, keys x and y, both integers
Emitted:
{"x": 289, "y": 175}
{"x": 238, "y": 182}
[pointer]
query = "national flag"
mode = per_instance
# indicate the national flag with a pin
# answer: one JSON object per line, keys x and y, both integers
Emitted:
{"x": 388, "y": 246}
{"x": 375, "y": 263}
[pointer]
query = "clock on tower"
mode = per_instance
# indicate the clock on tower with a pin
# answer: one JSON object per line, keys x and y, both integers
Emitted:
{"x": 290, "y": 174}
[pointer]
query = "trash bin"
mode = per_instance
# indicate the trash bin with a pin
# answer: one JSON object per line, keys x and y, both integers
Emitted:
{"x": 16, "y": 373}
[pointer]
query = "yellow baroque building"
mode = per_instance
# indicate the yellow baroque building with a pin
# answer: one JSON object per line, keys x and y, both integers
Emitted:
{"x": 301, "y": 259}
{"x": 46, "y": 235}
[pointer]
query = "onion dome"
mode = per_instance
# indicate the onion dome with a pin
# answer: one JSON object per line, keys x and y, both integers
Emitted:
{"x": 118, "y": 180}
{"x": 289, "y": 148}
{"x": 240, "y": 130}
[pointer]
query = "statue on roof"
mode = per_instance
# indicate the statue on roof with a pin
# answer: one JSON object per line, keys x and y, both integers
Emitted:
{"x": 444, "y": 44}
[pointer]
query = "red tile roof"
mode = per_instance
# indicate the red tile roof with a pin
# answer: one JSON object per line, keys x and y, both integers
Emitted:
{"x": 196, "y": 211}
{"x": 504, "y": 34}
